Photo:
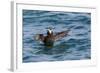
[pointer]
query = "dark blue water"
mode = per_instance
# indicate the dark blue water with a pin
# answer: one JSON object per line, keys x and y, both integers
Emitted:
{"x": 75, "y": 46}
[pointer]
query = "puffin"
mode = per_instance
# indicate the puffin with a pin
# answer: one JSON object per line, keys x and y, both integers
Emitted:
{"x": 51, "y": 37}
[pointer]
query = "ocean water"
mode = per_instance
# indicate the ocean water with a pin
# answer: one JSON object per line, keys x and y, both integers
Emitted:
{"x": 75, "y": 46}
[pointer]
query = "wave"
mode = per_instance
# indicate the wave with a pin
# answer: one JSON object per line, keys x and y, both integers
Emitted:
{"x": 76, "y": 46}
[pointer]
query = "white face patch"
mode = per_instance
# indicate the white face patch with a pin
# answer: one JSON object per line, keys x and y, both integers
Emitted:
{"x": 50, "y": 31}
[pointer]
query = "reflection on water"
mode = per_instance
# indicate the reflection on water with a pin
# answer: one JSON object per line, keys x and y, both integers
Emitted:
{"x": 76, "y": 46}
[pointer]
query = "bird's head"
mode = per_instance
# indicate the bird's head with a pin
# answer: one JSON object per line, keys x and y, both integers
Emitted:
{"x": 49, "y": 31}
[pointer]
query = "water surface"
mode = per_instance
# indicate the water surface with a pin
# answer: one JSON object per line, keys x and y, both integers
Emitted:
{"x": 76, "y": 46}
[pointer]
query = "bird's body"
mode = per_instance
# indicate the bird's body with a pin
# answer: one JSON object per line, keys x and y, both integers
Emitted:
{"x": 50, "y": 38}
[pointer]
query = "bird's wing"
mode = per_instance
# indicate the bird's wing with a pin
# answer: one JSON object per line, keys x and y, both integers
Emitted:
{"x": 39, "y": 37}
{"x": 60, "y": 35}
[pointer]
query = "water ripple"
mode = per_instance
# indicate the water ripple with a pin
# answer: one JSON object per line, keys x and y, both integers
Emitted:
{"x": 76, "y": 46}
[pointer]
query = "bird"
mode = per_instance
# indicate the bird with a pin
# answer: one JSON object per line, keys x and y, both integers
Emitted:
{"x": 51, "y": 37}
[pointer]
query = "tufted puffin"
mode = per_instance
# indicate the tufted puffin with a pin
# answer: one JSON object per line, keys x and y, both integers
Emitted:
{"x": 50, "y": 38}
